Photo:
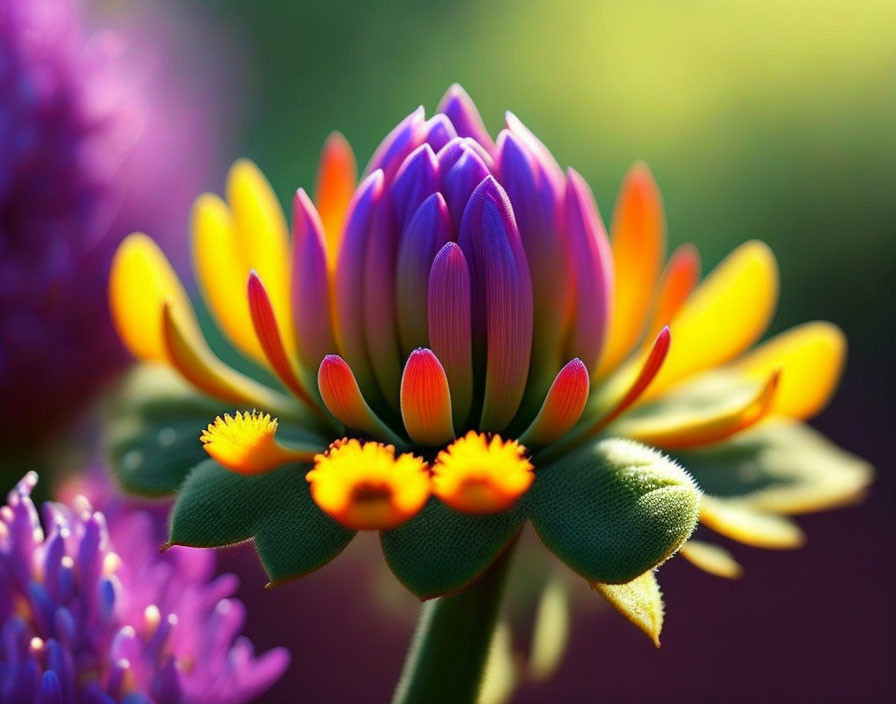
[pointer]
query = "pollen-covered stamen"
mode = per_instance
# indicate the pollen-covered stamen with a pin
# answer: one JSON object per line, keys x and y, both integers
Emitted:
{"x": 476, "y": 474}
{"x": 364, "y": 486}
{"x": 245, "y": 443}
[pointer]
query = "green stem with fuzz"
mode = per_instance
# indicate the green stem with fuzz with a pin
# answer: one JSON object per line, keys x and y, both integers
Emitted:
{"x": 447, "y": 655}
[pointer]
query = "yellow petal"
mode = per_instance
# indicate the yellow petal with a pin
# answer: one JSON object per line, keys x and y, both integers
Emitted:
{"x": 190, "y": 355}
{"x": 688, "y": 428}
{"x": 550, "y": 632}
{"x": 724, "y": 316}
{"x": 638, "y": 239}
{"x": 262, "y": 238}
{"x": 761, "y": 530}
{"x": 140, "y": 282}
{"x": 222, "y": 272}
{"x": 640, "y": 601}
{"x": 712, "y": 559}
{"x": 812, "y": 355}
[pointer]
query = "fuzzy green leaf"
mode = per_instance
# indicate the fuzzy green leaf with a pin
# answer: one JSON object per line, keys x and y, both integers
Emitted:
{"x": 614, "y": 509}
{"x": 153, "y": 432}
{"x": 780, "y": 467}
{"x": 640, "y": 601}
{"x": 293, "y": 536}
{"x": 440, "y": 550}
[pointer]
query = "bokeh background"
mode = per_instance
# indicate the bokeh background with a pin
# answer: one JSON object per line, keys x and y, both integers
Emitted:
{"x": 759, "y": 119}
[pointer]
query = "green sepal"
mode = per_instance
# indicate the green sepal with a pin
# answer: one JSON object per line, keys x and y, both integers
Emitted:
{"x": 614, "y": 509}
{"x": 780, "y": 467}
{"x": 217, "y": 507}
{"x": 152, "y": 439}
{"x": 441, "y": 550}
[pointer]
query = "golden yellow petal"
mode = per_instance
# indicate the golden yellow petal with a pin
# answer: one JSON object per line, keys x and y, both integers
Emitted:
{"x": 812, "y": 355}
{"x": 140, "y": 282}
{"x": 726, "y": 314}
{"x": 222, "y": 273}
{"x": 712, "y": 559}
{"x": 262, "y": 236}
{"x": 761, "y": 530}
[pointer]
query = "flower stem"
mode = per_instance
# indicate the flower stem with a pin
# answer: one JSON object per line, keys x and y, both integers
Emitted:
{"x": 447, "y": 655}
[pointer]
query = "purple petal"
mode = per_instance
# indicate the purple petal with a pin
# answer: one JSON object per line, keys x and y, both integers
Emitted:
{"x": 502, "y": 299}
{"x": 438, "y": 131}
{"x": 415, "y": 181}
{"x": 538, "y": 149}
{"x": 450, "y": 327}
{"x": 592, "y": 268}
{"x": 537, "y": 207}
{"x": 428, "y": 230}
{"x": 400, "y": 142}
{"x": 310, "y": 287}
{"x": 378, "y": 303}
{"x": 348, "y": 290}
{"x": 459, "y": 182}
{"x": 462, "y": 112}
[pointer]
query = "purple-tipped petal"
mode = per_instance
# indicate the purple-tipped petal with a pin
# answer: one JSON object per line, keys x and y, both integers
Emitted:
{"x": 459, "y": 182}
{"x": 428, "y": 230}
{"x": 450, "y": 325}
{"x": 537, "y": 147}
{"x": 438, "y": 131}
{"x": 462, "y": 112}
{"x": 310, "y": 288}
{"x": 401, "y": 141}
{"x": 537, "y": 207}
{"x": 378, "y": 303}
{"x": 592, "y": 269}
{"x": 502, "y": 295}
{"x": 415, "y": 181}
{"x": 349, "y": 286}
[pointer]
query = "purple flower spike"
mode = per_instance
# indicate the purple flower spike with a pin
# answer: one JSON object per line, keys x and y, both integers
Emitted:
{"x": 459, "y": 182}
{"x": 502, "y": 300}
{"x": 416, "y": 180}
{"x": 438, "y": 131}
{"x": 90, "y": 612}
{"x": 461, "y": 110}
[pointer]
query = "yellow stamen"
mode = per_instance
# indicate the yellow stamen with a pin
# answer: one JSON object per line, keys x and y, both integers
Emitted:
{"x": 365, "y": 486}
{"x": 245, "y": 443}
{"x": 478, "y": 475}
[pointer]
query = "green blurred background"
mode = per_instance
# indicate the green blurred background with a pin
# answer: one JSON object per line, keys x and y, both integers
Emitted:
{"x": 760, "y": 119}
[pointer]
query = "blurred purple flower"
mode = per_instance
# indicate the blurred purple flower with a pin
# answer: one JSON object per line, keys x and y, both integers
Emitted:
{"x": 90, "y": 612}
{"x": 85, "y": 117}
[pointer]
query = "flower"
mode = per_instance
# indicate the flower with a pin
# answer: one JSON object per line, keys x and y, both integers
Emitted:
{"x": 85, "y": 117}
{"x": 468, "y": 290}
{"x": 91, "y": 612}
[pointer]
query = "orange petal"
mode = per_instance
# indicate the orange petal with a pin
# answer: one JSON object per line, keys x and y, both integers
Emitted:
{"x": 686, "y": 430}
{"x": 426, "y": 400}
{"x": 337, "y": 176}
{"x": 271, "y": 342}
{"x": 562, "y": 407}
{"x": 638, "y": 239}
{"x": 679, "y": 278}
{"x": 724, "y": 316}
{"x": 342, "y": 397}
{"x": 813, "y": 355}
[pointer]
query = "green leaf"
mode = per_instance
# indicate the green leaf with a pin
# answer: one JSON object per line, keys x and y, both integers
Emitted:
{"x": 153, "y": 432}
{"x": 614, "y": 509}
{"x": 440, "y": 550}
{"x": 217, "y": 507}
{"x": 780, "y": 467}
